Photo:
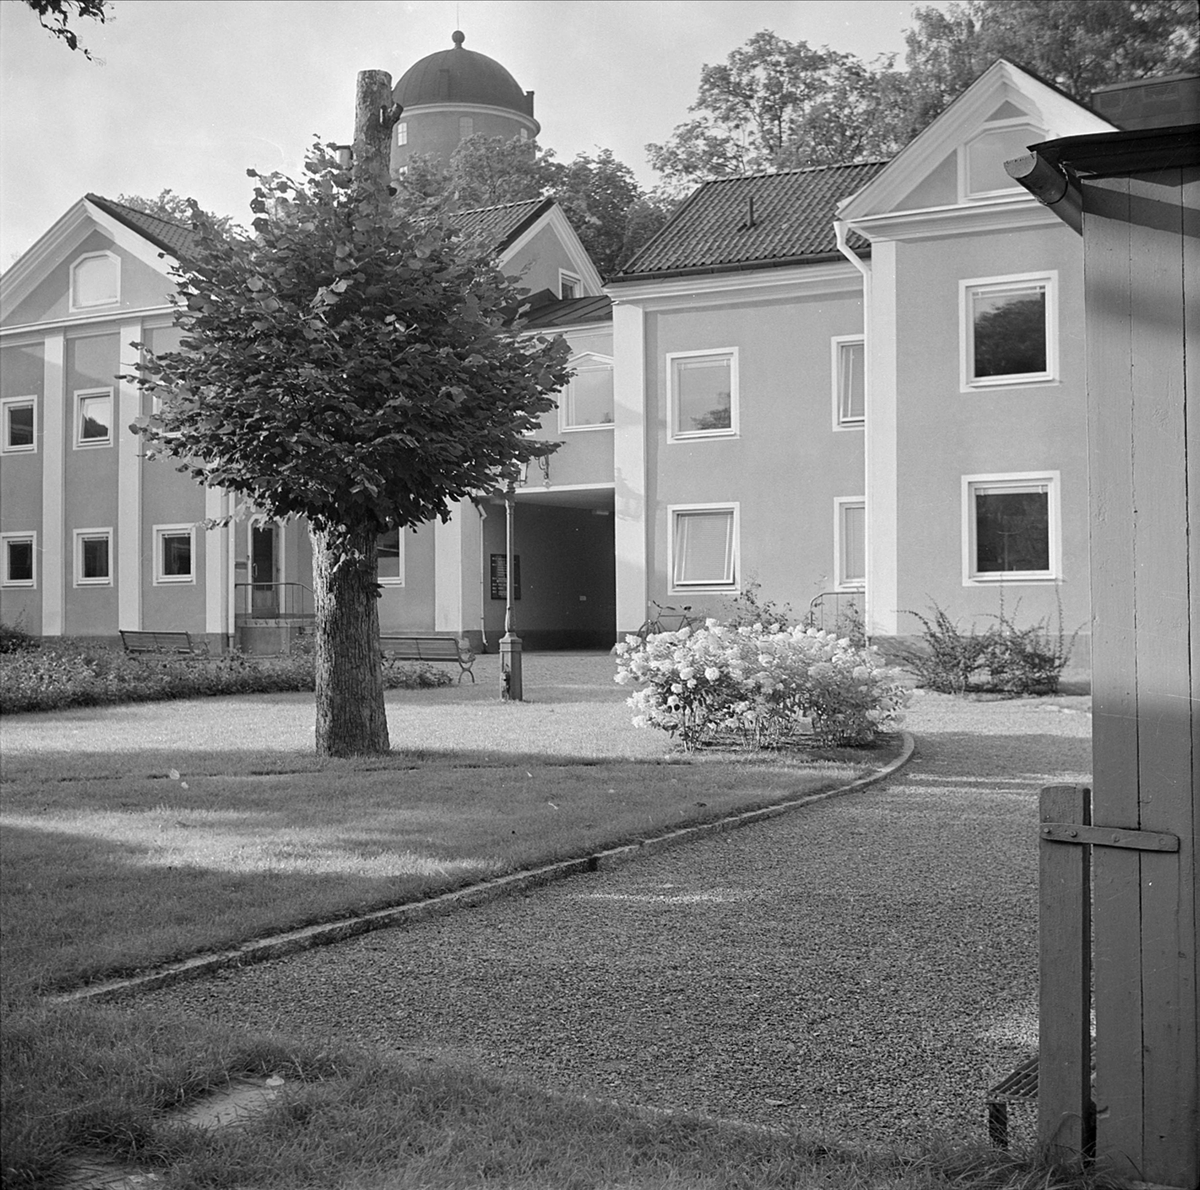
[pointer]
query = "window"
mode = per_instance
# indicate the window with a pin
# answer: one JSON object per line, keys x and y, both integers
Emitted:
{"x": 849, "y": 381}
{"x": 1008, "y": 331}
{"x": 704, "y": 546}
{"x": 466, "y": 127}
{"x": 981, "y": 160}
{"x": 92, "y": 557}
{"x": 1010, "y": 527}
{"x": 19, "y": 558}
{"x": 17, "y": 415}
{"x": 93, "y": 418}
{"x": 174, "y": 553}
{"x": 402, "y": 133}
{"x": 95, "y": 281}
{"x": 391, "y": 558}
{"x": 587, "y": 403}
{"x": 850, "y": 543}
{"x": 703, "y": 393}
{"x": 568, "y": 286}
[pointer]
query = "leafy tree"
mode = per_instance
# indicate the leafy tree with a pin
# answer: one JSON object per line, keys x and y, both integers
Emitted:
{"x": 54, "y": 15}
{"x": 600, "y": 196}
{"x": 776, "y": 104}
{"x": 1078, "y": 45}
{"x": 169, "y": 205}
{"x": 351, "y": 364}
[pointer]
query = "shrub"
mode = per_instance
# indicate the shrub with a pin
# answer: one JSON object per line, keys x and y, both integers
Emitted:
{"x": 756, "y": 687}
{"x": 69, "y": 674}
{"x": 14, "y": 639}
{"x": 1004, "y": 659}
{"x": 748, "y": 608}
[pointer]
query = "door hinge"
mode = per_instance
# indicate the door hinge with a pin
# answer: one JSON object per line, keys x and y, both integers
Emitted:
{"x": 1109, "y": 836}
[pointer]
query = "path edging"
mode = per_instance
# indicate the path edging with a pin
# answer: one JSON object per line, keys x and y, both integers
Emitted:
{"x": 325, "y": 933}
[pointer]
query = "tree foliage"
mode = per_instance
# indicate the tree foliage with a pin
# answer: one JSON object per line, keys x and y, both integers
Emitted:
{"x": 169, "y": 205}
{"x": 55, "y": 15}
{"x": 354, "y": 363}
{"x": 600, "y": 196}
{"x": 775, "y": 104}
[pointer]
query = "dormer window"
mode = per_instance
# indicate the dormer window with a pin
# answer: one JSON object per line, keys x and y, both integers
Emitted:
{"x": 587, "y": 401}
{"x": 569, "y": 286}
{"x": 95, "y": 281}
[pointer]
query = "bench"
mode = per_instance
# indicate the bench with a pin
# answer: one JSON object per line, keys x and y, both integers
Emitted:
{"x": 428, "y": 648}
{"x": 161, "y": 642}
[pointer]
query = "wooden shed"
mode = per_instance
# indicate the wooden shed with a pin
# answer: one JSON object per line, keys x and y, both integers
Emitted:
{"x": 1135, "y": 199}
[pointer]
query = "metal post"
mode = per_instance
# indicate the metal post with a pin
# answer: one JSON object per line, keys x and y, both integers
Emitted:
{"x": 510, "y": 642}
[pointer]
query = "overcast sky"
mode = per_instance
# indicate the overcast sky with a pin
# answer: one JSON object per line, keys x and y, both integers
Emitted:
{"x": 187, "y": 94}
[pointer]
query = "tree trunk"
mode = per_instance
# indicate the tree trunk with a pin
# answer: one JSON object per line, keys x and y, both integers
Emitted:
{"x": 375, "y": 116}
{"x": 351, "y": 720}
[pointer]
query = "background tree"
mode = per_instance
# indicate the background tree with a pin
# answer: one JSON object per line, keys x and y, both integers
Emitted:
{"x": 609, "y": 211}
{"x": 775, "y": 104}
{"x": 55, "y": 14}
{"x": 169, "y": 205}
{"x": 351, "y": 364}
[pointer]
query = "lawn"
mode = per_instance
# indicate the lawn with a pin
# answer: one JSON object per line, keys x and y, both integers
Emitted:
{"x": 135, "y": 834}
{"x": 142, "y": 833}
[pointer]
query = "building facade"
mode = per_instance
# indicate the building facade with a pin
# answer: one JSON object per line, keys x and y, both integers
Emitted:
{"x": 858, "y": 387}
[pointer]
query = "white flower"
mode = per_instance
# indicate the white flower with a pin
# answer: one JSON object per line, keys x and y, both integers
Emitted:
{"x": 712, "y": 673}
{"x": 686, "y": 672}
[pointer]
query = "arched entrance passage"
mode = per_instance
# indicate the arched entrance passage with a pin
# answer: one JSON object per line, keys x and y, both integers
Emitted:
{"x": 564, "y": 544}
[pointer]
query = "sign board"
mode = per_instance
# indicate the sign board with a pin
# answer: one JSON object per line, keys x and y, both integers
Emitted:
{"x": 500, "y": 576}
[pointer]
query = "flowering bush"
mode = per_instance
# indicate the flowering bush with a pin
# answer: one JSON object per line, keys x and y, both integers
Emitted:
{"x": 760, "y": 687}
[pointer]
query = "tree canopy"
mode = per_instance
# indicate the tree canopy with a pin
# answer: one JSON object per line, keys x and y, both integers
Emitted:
{"x": 55, "y": 15}
{"x": 775, "y": 104}
{"x": 355, "y": 363}
{"x": 600, "y": 196}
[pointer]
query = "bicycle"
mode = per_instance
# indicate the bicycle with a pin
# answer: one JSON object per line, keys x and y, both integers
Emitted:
{"x": 660, "y": 616}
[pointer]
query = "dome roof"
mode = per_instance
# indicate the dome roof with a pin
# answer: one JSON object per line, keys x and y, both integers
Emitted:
{"x": 461, "y": 76}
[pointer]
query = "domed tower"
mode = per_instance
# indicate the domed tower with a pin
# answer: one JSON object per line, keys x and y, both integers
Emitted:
{"x": 454, "y": 94}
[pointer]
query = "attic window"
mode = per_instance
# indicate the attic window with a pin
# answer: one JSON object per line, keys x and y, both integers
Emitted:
{"x": 568, "y": 285}
{"x": 981, "y": 159}
{"x": 95, "y": 281}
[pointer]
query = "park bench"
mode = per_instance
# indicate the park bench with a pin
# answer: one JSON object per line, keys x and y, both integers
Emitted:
{"x": 139, "y": 641}
{"x": 428, "y": 648}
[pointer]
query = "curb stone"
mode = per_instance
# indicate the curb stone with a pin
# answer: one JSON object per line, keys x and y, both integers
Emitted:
{"x": 325, "y": 933}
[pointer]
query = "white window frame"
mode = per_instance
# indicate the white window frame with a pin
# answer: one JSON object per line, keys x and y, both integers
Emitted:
{"x": 5, "y": 579}
{"x": 114, "y": 301}
{"x": 673, "y": 512}
{"x": 965, "y": 193}
{"x": 570, "y": 279}
{"x": 674, "y": 434}
{"x": 82, "y": 535}
{"x": 82, "y": 443}
{"x": 587, "y": 361}
{"x": 396, "y": 580}
{"x": 7, "y": 404}
{"x": 163, "y": 531}
{"x": 836, "y": 343}
{"x": 1000, "y": 483}
{"x": 966, "y": 330}
{"x": 401, "y": 133}
{"x": 840, "y": 504}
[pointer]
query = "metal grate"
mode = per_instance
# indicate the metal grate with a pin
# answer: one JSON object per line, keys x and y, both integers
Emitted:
{"x": 1019, "y": 1087}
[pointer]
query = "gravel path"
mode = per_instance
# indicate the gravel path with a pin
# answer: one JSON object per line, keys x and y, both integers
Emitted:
{"x": 865, "y": 967}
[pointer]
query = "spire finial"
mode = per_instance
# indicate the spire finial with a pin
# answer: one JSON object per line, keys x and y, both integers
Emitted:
{"x": 458, "y": 37}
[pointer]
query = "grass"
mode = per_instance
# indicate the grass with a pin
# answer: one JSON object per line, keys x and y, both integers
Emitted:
{"x": 136, "y": 834}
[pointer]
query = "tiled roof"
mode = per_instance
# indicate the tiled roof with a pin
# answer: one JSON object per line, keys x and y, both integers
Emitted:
{"x": 571, "y": 312}
{"x": 792, "y": 222}
{"x": 166, "y": 234}
{"x": 501, "y": 225}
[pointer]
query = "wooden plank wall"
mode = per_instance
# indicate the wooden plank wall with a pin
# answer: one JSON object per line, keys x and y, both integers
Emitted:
{"x": 1142, "y": 463}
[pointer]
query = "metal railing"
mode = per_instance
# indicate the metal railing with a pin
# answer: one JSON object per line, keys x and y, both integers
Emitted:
{"x": 836, "y": 611}
{"x": 273, "y": 601}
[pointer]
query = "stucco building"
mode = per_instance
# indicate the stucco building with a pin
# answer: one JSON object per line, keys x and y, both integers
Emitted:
{"x": 859, "y": 384}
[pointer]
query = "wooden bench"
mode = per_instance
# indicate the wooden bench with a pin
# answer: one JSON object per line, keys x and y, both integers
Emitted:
{"x": 428, "y": 648}
{"x": 161, "y": 642}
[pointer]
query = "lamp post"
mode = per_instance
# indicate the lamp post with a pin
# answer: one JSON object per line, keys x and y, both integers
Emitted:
{"x": 511, "y": 687}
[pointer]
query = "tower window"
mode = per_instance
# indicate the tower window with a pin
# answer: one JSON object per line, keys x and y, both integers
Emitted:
{"x": 402, "y": 133}
{"x": 466, "y": 127}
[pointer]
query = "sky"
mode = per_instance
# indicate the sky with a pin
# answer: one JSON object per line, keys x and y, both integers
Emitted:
{"x": 187, "y": 94}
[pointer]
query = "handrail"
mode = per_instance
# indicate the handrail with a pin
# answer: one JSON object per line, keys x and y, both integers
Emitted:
{"x": 276, "y": 600}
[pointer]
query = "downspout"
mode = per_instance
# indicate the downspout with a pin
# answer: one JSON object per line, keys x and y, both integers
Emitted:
{"x": 1051, "y": 185}
{"x": 479, "y": 508}
{"x": 841, "y": 229}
